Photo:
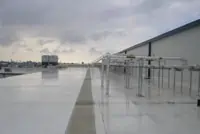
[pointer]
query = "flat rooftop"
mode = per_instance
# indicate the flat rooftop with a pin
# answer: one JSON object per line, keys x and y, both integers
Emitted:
{"x": 72, "y": 101}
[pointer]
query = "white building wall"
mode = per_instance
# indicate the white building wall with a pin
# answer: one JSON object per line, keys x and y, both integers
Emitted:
{"x": 139, "y": 51}
{"x": 185, "y": 44}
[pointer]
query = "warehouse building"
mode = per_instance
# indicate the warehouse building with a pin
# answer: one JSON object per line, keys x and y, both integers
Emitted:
{"x": 180, "y": 42}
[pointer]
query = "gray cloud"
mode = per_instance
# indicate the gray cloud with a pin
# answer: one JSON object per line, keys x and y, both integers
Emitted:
{"x": 22, "y": 45}
{"x": 100, "y": 35}
{"x": 149, "y": 13}
{"x": 51, "y": 14}
{"x": 149, "y": 6}
{"x": 56, "y": 51}
{"x": 23, "y": 12}
{"x": 45, "y": 51}
{"x": 68, "y": 51}
{"x": 60, "y": 50}
{"x": 8, "y": 37}
{"x": 75, "y": 22}
{"x": 116, "y": 13}
{"x": 29, "y": 50}
{"x": 106, "y": 33}
{"x": 50, "y": 19}
{"x": 43, "y": 42}
{"x": 94, "y": 51}
{"x": 144, "y": 7}
{"x": 72, "y": 38}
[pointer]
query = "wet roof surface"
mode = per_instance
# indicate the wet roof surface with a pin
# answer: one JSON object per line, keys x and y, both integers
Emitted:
{"x": 39, "y": 103}
{"x": 43, "y": 103}
{"x": 122, "y": 112}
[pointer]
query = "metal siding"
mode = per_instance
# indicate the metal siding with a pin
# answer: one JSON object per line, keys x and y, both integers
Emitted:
{"x": 53, "y": 58}
{"x": 183, "y": 28}
{"x": 185, "y": 44}
{"x": 141, "y": 51}
{"x": 45, "y": 58}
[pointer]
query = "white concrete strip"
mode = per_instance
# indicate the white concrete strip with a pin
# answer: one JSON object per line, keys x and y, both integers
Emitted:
{"x": 82, "y": 120}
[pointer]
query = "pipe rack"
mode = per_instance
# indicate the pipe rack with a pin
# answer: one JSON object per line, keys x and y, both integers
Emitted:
{"x": 138, "y": 62}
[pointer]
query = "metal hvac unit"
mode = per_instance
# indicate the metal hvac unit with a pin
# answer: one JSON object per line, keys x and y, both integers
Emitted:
{"x": 49, "y": 60}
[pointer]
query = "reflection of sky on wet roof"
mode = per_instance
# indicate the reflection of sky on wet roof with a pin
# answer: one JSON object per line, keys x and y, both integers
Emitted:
{"x": 43, "y": 103}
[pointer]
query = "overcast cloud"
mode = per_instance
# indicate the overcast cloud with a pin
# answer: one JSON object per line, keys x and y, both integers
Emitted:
{"x": 43, "y": 42}
{"x": 29, "y": 50}
{"x": 94, "y": 51}
{"x": 93, "y": 24}
{"x": 45, "y": 51}
{"x": 60, "y": 50}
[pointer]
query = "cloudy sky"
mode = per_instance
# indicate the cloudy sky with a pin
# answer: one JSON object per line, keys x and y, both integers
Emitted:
{"x": 82, "y": 30}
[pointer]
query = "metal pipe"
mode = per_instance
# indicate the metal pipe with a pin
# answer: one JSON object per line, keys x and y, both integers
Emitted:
{"x": 153, "y": 75}
{"x": 174, "y": 84}
{"x": 121, "y": 58}
{"x": 190, "y": 89}
{"x": 132, "y": 71}
{"x": 169, "y": 78}
{"x": 107, "y": 76}
{"x": 117, "y": 57}
{"x": 136, "y": 71}
{"x": 199, "y": 85}
{"x": 125, "y": 76}
{"x": 129, "y": 76}
{"x": 181, "y": 81}
{"x": 145, "y": 57}
{"x": 159, "y": 76}
{"x": 139, "y": 70}
{"x": 140, "y": 81}
{"x": 146, "y": 72}
{"x": 162, "y": 75}
{"x": 149, "y": 89}
{"x": 142, "y": 65}
{"x": 102, "y": 74}
{"x": 156, "y": 67}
